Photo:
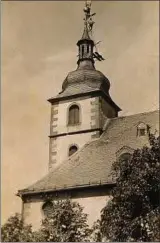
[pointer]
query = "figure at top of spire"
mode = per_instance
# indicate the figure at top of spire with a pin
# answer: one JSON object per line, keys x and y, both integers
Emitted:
{"x": 87, "y": 8}
{"x": 88, "y": 16}
{"x": 86, "y": 43}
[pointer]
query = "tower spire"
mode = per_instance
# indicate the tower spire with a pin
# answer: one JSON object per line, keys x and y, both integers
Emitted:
{"x": 86, "y": 44}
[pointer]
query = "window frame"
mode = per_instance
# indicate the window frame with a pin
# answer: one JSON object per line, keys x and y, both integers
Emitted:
{"x": 123, "y": 150}
{"x": 43, "y": 207}
{"x": 69, "y": 119}
{"x": 71, "y": 146}
{"x": 142, "y": 127}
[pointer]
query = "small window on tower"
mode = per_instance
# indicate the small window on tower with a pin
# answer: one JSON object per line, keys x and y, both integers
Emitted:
{"x": 72, "y": 149}
{"x": 73, "y": 118}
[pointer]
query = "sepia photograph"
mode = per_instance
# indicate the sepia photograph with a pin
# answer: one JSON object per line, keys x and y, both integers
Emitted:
{"x": 80, "y": 155}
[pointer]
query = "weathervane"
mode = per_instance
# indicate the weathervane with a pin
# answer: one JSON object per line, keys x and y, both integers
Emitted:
{"x": 88, "y": 24}
{"x": 88, "y": 16}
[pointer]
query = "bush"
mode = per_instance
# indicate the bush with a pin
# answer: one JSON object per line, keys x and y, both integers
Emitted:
{"x": 14, "y": 230}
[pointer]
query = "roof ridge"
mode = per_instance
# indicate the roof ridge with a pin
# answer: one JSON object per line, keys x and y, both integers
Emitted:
{"x": 106, "y": 124}
{"x": 75, "y": 174}
{"x": 136, "y": 114}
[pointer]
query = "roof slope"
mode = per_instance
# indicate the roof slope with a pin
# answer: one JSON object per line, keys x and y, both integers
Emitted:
{"x": 83, "y": 81}
{"x": 92, "y": 164}
{"x": 77, "y": 88}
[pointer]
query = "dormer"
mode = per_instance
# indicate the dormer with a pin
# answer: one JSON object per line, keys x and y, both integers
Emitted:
{"x": 142, "y": 129}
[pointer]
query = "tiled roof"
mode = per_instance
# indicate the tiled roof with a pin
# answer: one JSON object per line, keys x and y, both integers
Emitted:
{"x": 77, "y": 88}
{"x": 82, "y": 81}
{"x": 92, "y": 163}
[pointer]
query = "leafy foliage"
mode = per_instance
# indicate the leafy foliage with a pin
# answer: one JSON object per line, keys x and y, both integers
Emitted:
{"x": 133, "y": 214}
{"x": 14, "y": 230}
{"x": 65, "y": 223}
{"x": 96, "y": 235}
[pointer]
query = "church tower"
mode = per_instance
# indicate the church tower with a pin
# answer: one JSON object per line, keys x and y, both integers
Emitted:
{"x": 79, "y": 111}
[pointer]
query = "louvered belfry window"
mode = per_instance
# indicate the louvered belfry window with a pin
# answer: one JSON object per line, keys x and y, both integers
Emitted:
{"x": 73, "y": 115}
{"x": 72, "y": 150}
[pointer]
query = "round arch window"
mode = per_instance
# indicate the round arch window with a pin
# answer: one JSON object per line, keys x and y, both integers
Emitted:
{"x": 47, "y": 208}
{"x": 72, "y": 149}
{"x": 73, "y": 116}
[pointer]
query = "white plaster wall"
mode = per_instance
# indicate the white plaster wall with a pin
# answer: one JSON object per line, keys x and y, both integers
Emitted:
{"x": 32, "y": 213}
{"x": 85, "y": 116}
{"x": 92, "y": 206}
{"x": 63, "y": 143}
{"x": 89, "y": 119}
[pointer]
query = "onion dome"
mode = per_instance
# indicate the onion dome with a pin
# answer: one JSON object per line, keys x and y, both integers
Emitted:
{"x": 86, "y": 76}
{"x": 86, "y": 79}
{"x": 90, "y": 77}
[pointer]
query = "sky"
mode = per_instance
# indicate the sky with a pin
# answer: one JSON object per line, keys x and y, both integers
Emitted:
{"x": 39, "y": 49}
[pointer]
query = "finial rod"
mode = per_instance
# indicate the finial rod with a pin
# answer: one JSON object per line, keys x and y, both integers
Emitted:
{"x": 88, "y": 16}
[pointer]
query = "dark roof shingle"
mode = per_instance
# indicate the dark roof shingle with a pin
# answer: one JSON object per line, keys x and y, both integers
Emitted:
{"x": 92, "y": 164}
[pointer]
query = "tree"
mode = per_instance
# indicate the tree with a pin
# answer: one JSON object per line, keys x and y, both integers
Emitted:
{"x": 66, "y": 222}
{"x": 96, "y": 235}
{"x": 14, "y": 230}
{"x": 133, "y": 213}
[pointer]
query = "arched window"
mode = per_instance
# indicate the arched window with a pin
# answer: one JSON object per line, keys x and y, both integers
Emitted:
{"x": 47, "y": 208}
{"x": 73, "y": 115}
{"x": 124, "y": 156}
{"x": 72, "y": 149}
